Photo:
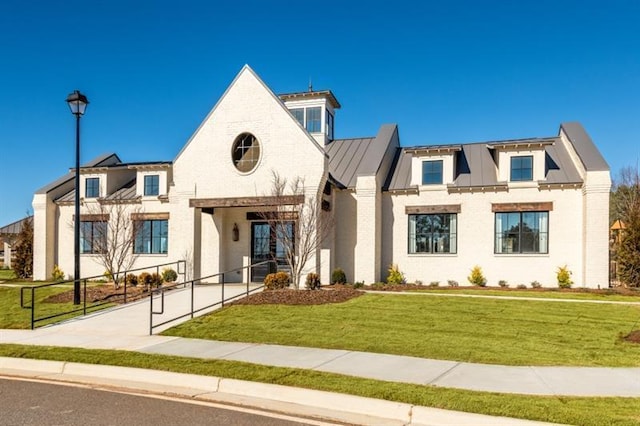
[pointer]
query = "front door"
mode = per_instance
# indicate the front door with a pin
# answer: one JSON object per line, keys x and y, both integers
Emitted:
{"x": 266, "y": 246}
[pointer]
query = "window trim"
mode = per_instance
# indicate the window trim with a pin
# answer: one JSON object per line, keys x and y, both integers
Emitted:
{"x": 432, "y": 162}
{"x": 511, "y": 168}
{"x": 452, "y": 235}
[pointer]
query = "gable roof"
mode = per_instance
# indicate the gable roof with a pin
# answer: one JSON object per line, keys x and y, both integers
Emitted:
{"x": 247, "y": 69}
{"x": 102, "y": 160}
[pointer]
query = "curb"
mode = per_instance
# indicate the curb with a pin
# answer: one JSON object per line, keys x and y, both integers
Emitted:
{"x": 306, "y": 402}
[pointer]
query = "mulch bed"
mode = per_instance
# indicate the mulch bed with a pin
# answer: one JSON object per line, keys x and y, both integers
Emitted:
{"x": 102, "y": 293}
{"x": 633, "y": 337}
{"x": 333, "y": 294}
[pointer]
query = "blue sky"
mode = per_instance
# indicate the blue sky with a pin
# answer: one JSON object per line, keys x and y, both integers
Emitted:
{"x": 445, "y": 71}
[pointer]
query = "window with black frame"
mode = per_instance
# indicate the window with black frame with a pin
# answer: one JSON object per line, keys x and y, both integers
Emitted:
{"x": 93, "y": 237}
{"x": 152, "y": 237}
{"x": 522, "y": 232}
{"x": 433, "y": 233}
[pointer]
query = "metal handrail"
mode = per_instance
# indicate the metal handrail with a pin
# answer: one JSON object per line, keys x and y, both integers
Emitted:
{"x": 193, "y": 283}
{"x": 84, "y": 307}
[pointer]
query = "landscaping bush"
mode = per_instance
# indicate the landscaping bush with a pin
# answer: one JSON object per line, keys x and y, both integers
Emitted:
{"x": 276, "y": 281}
{"x": 156, "y": 280}
{"x": 57, "y": 274}
{"x": 535, "y": 284}
{"x": 358, "y": 284}
{"x": 395, "y": 276}
{"x": 338, "y": 276}
{"x": 313, "y": 281}
{"x": 169, "y": 275}
{"x": 476, "y": 277}
{"x": 521, "y": 286}
{"x": 145, "y": 279}
{"x": 503, "y": 283}
{"x": 452, "y": 283}
{"x": 563, "y": 275}
{"x": 132, "y": 280}
{"x": 434, "y": 284}
{"x": 418, "y": 282}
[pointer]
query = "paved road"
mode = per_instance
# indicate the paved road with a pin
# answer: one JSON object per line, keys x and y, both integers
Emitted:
{"x": 48, "y": 404}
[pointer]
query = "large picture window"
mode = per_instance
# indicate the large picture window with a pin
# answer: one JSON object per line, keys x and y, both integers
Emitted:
{"x": 152, "y": 237}
{"x": 433, "y": 233}
{"x": 432, "y": 172}
{"x": 522, "y": 232}
{"x": 93, "y": 236}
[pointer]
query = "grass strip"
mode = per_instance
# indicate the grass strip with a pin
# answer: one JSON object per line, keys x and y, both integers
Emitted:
{"x": 568, "y": 410}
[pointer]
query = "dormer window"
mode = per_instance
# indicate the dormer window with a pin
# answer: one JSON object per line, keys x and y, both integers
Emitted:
{"x": 309, "y": 118}
{"x": 522, "y": 168}
{"x": 151, "y": 185}
{"x": 92, "y": 188}
{"x": 432, "y": 172}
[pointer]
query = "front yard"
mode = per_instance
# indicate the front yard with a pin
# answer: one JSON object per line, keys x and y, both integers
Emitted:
{"x": 494, "y": 331}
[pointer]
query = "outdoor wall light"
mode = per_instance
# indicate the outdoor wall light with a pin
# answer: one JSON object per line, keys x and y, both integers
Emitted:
{"x": 236, "y": 232}
{"x": 77, "y": 103}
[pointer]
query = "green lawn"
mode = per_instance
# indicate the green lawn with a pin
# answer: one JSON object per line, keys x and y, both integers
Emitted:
{"x": 6, "y": 274}
{"x": 546, "y": 294}
{"x": 13, "y": 316}
{"x": 577, "y": 411}
{"x": 494, "y": 331}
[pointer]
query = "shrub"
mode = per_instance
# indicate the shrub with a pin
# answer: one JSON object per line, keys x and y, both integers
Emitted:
{"x": 132, "y": 279}
{"x": 338, "y": 276}
{"x": 169, "y": 275}
{"x": 563, "y": 275}
{"x": 358, "y": 284}
{"x": 503, "y": 283}
{"x": 108, "y": 276}
{"x": 156, "y": 279}
{"x": 145, "y": 279}
{"x": 535, "y": 284}
{"x": 57, "y": 274}
{"x": 452, "y": 283}
{"x": 395, "y": 276}
{"x": 476, "y": 277}
{"x": 277, "y": 280}
{"x": 313, "y": 281}
{"x": 378, "y": 286}
{"x": 434, "y": 284}
{"x": 418, "y": 282}
{"x": 521, "y": 286}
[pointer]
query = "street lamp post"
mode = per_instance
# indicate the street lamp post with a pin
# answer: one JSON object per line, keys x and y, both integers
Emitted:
{"x": 77, "y": 103}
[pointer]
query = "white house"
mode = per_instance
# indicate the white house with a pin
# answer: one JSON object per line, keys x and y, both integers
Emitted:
{"x": 517, "y": 208}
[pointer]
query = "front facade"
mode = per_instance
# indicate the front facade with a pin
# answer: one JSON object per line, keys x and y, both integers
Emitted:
{"x": 519, "y": 209}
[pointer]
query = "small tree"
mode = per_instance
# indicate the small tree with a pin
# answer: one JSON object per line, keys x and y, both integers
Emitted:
{"x": 299, "y": 224}
{"x": 115, "y": 235}
{"x": 23, "y": 250}
{"x": 625, "y": 205}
